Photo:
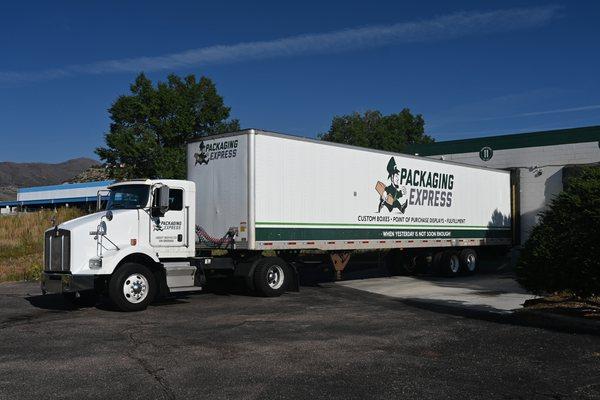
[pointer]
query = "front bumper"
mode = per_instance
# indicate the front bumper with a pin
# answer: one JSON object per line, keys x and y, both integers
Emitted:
{"x": 54, "y": 282}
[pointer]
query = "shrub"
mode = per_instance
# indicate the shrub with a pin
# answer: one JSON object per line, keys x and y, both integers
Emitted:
{"x": 563, "y": 251}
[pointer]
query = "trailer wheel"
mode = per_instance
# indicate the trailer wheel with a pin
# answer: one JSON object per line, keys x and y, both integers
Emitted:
{"x": 449, "y": 263}
{"x": 271, "y": 277}
{"x": 393, "y": 262}
{"x": 468, "y": 261}
{"x": 412, "y": 263}
{"x": 403, "y": 262}
{"x": 132, "y": 287}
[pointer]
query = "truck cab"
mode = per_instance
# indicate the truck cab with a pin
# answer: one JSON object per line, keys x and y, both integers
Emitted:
{"x": 146, "y": 230}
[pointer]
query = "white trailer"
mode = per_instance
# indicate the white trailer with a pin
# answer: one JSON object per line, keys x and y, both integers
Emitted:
{"x": 280, "y": 192}
{"x": 252, "y": 191}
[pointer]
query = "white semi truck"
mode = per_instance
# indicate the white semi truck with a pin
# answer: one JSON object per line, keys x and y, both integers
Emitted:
{"x": 261, "y": 198}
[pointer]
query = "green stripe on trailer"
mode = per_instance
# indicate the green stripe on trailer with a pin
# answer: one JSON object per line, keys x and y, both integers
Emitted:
{"x": 299, "y": 234}
{"x": 324, "y": 224}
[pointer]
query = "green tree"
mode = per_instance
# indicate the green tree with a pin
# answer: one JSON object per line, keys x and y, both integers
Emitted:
{"x": 563, "y": 251}
{"x": 151, "y": 126}
{"x": 376, "y": 131}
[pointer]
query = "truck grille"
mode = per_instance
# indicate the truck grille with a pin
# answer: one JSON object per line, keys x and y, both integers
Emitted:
{"x": 57, "y": 250}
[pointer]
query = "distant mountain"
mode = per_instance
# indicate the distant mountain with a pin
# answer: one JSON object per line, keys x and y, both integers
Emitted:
{"x": 92, "y": 174}
{"x": 16, "y": 175}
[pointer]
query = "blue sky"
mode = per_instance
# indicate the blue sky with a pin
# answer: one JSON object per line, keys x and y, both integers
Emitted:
{"x": 471, "y": 68}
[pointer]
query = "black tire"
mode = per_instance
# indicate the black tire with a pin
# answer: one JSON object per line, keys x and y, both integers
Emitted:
{"x": 271, "y": 277}
{"x": 468, "y": 261}
{"x": 448, "y": 263}
{"x": 404, "y": 262}
{"x": 436, "y": 262}
{"x": 393, "y": 262}
{"x": 87, "y": 298}
{"x": 141, "y": 282}
{"x": 411, "y": 264}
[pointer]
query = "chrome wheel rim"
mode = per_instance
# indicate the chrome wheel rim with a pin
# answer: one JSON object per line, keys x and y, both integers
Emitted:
{"x": 454, "y": 264}
{"x": 135, "y": 288}
{"x": 275, "y": 277}
{"x": 471, "y": 262}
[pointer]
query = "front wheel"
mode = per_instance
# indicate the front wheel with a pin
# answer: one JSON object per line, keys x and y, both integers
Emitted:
{"x": 271, "y": 277}
{"x": 132, "y": 287}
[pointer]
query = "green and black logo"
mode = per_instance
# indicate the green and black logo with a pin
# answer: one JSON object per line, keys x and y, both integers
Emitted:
{"x": 426, "y": 188}
{"x": 201, "y": 157}
{"x": 215, "y": 151}
{"x": 390, "y": 195}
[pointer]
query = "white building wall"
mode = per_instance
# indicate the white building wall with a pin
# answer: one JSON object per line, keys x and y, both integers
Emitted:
{"x": 536, "y": 190}
{"x": 60, "y": 192}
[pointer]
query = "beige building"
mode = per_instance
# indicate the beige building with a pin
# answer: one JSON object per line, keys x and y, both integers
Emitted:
{"x": 538, "y": 160}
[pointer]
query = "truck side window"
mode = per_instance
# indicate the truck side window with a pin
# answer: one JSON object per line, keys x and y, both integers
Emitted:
{"x": 176, "y": 199}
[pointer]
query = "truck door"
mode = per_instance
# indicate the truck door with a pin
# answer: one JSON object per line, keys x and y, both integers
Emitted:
{"x": 170, "y": 230}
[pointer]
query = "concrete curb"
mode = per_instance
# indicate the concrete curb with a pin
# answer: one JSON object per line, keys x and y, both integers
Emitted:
{"x": 558, "y": 322}
{"x": 522, "y": 317}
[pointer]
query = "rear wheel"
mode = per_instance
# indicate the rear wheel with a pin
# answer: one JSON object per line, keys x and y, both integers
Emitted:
{"x": 132, "y": 287}
{"x": 403, "y": 262}
{"x": 468, "y": 261}
{"x": 448, "y": 263}
{"x": 271, "y": 277}
{"x": 411, "y": 263}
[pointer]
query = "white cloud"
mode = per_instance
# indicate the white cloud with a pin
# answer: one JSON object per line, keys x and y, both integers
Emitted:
{"x": 445, "y": 27}
{"x": 538, "y": 113}
{"x": 557, "y": 111}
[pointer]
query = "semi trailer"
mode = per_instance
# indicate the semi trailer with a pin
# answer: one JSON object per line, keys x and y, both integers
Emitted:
{"x": 256, "y": 201}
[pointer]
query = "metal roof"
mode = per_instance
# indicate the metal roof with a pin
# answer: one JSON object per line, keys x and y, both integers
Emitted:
{"x": 65, "y": 200}
{"x": 514, "y": 141}
{"x": 56, "y": 199}
{"x": 64, "y": 186}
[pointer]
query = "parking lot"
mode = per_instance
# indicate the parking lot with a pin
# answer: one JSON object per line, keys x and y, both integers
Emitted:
{"x": 327, "y": 341}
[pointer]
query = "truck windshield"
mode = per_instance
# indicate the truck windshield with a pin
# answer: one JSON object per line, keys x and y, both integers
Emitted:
{"x": 128, "y": 197}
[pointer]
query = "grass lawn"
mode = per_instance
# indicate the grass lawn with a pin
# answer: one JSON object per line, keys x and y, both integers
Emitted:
{"x": 22, "y": 242}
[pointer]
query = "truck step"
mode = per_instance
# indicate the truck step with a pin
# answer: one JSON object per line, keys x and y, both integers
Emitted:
{"x": 180, "y": 275}
{"x": 185, "y": 289}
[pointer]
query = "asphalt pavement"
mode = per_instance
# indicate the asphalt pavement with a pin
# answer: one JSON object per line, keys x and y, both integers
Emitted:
{"x": 327, "y": 341}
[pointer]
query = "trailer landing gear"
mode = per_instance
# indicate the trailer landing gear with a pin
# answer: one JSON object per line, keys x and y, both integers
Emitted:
{"x": 340, "y": 260}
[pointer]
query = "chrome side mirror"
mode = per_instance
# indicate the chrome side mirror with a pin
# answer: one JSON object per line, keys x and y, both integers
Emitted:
{"x": 162, "y": 201}
{"x": 102, "y": 228}
{"x": 101, "y": 193}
